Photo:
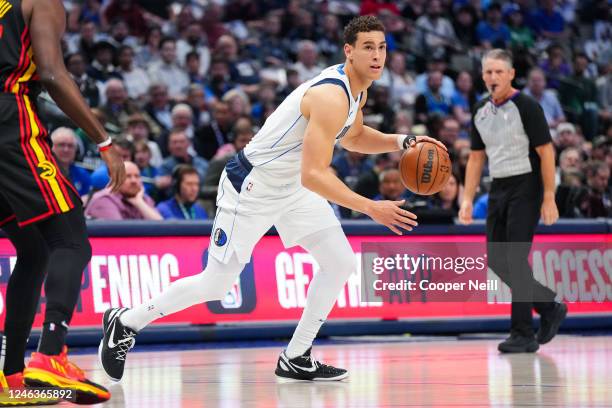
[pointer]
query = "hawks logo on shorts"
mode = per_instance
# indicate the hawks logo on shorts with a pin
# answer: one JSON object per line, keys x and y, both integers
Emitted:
{"x": 219, "y": 237}
{"x": 48, "y": 170}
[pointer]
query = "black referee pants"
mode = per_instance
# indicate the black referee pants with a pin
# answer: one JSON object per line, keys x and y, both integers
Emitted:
{"x": 512, "y": 216}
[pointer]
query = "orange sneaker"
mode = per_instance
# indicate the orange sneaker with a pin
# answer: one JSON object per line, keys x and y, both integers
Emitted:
{"x": 57, "y": 372}
{"x": 15, "y": 394}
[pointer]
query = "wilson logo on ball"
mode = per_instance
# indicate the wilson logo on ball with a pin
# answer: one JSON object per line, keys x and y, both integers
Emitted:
{"x": 428, "y": 167}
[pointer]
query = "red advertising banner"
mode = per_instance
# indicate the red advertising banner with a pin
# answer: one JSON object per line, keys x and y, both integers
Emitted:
{"x": 124, "y": 271}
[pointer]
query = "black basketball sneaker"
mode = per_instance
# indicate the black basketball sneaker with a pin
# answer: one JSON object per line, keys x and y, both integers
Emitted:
{"x": 114, "y": 346}
{"x": 305, "y": 367}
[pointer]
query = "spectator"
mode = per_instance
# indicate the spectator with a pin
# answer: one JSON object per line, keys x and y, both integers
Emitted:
{"x": 270, "y": 49}
{"x": 85, "y": 11}
{"x": 368, "y": 182}
{"x": 243, "y": 133}
{"x": 118, "y": 107}
{"x": 432, "y": 101}
{"x": 547, "y": 22}
{"x": 183, "y": 205}
{"x": 330, "y": 39}
{"x": 448, "y": 198}
{"x": 242, "y": 71}
{"x": 85, "y": 42}
{"x": 139, "y": 130}
{"x": 129, "y": 203}
{"x": 349, "y": 165}
{"x": 65, "y": 148}
{"x": 214, "y": 135}
{"x": 193, "y": 40}
{"x": 521, "y": 36}
{"x": 192, "y": 67}
{"x": 464, "y": 98}
{"x": 179, "y": 146}
{"x": 391, "y": 187}
{"x": 182, "y": 121}
{"x": 212, "y": 23}
{"x": 449, "y": 132}
{"x": 102, "y": 68}
{"x": 570, "y": 160}
{"x": 596, "y": 200}
{"x": 433, "y": 31}
{"x": 219, "y": 81}
{"x": 303, "y": 29}
{"x": 76, "y": 65}
{"x": 120, "y": 35}
{"x": 266, "y": 98}
{"x": 148, "y": 172}
{"x": 492, "y": 32}
{"x": 307, "y": 66}
{"x": 197, "y": 101}
{"x": 436, "y": 63}
{"x": 398, "y": 80}
{"x": 555, "y": 67}
{"x": 129, "y": 11}
{"x": 238, "y": 102}
{"x": 566, "y": 137}
{"x": 135, "y": 79}
{"x": 148, "y": 53}
{"x": 465, "y": 26}
{"x": 159, "y": 108}
{"x": 578, "y": 96}
{"x": 536, "y": 84}
{"x": 167, "y": 70}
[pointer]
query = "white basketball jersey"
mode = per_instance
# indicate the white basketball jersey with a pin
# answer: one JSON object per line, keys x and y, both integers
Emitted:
{"x": 277, "y": 148}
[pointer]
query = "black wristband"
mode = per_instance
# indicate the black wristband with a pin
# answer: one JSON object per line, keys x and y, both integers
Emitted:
{"x": 407, "y": 140}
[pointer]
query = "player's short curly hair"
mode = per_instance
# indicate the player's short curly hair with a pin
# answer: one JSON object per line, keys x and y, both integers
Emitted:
{"x": 361, "y": 24}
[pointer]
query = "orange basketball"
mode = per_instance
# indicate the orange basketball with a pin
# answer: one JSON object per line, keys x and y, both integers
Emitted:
{"x": 425, "y": 168}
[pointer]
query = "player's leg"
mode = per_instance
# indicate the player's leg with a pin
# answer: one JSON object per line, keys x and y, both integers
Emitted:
{"x": 310, "y": 222}
{"x": 70, "y": 251}
{"x": 22, "y": 292}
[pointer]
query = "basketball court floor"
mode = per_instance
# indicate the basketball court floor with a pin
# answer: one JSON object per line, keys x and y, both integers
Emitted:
{"x": 574, "y": 371}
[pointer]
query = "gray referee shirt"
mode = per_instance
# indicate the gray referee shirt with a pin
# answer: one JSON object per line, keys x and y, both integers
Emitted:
{"x": 509, "y": 133}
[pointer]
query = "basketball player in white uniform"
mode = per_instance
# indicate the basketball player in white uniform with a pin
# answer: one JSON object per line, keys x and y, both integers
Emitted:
{"x": 282, "y": 178}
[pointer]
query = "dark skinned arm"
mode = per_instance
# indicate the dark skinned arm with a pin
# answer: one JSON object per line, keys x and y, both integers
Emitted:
{"x": 46, "y": 20}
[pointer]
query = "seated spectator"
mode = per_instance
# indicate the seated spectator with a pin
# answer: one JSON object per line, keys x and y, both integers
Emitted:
{"x": 555, "y": 67}
{"x": 135, "y": 79}
{"x": 578, "y": 96}
{"x": 596, "y": 201}
{"x": 102, "y": 68}
{"x": 129, "y": 203}
{"x": 149, "y": 51}
{"x": 536, "y": 88}
{"x": 183, "y": 205}
{"x": 243, "y": 133}
{"x": 148, "y": 172}
{"x": 436, "y": 63}
{"x": 433, "y": 30}
{"x": 398, "y": 80}
{"x": 192, "y": 67}
{"x": 307, "y": 66}
{"x": 448, "y": 197}
{"x": 547, "y": 22}
{"x": 377, "y": 111}
{"x": 432, "y": 101}
{"x": 182, "y": 120}
{"x": 391, "y": 187}
{"x": 449, "y": 132}
{"x": 464, "y": 98}
{"x": 179, "y": 146}
{"x": 464, "y": 25}
{"x": 238, "y": 103}
{"x": 120, "y": 34}
{"x": 159, "y": 108}
{"x": 76, "y": 65}
{"x": 199, "y": 107}
{"x": 193, "y": 41}
{"x": 65, "y": 148}
{"x": 566, "y": 137}
{"x": 570, "y": 159}
{"x": 368, "y": 182}
{"x": 242, "y": 71}
{"x": 349, "y": 165}
{"x": 139, "y": 130}
{"x": 129, "y": 10}
{"x": 219, "y": 80}
{"x": 167, "y": 70}
{"x": 521, "y": 36}
{"x": 493, "y": 32}
{"x": 217, "y": 133}
{"x": 118, "y": 107}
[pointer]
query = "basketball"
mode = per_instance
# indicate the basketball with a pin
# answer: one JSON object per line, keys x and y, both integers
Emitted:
{"x": 425, "y": 168}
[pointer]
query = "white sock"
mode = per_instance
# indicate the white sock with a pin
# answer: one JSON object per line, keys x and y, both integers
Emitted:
{"x": 336, "y": 259}
{"x": 212, "y": 283}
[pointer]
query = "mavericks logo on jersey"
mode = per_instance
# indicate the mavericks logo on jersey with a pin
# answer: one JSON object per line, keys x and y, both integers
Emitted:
{"x": 219, "y": 237}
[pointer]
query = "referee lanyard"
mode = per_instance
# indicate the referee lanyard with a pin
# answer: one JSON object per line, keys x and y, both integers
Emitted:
{"x": 187, "y": 214}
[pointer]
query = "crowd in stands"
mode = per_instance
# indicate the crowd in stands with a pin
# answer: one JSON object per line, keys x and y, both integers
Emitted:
{"x": 182, "y": 86}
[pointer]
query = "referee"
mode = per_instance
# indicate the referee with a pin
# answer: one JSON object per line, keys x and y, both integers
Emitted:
{"x": 510, "y": 129}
